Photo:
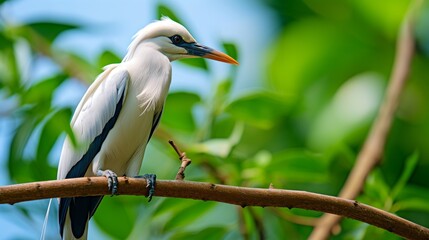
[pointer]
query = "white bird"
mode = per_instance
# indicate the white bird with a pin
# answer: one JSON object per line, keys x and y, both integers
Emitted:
{"x": 118, "y": 114}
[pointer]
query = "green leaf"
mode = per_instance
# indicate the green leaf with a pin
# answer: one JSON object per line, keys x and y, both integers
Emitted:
{"x": 261, "y": 109}
{"x": 410, "y": 165}
{"x": 215, "y": 147}
{"x": 342, "y": 118}
{"x": 421, "y": 24}
{"x": 83, "y": 69}
{"x": 206, "y": 234}
{"x": 5, "y": 42}
{"x": 220, "y": 147}
{"x": 376, "y": 189}
{"x": 106, "y": 58}
{"x": 223, "y": 88}
{"x": 200, "y": 63}
{"x": 373, "y": 232}
{"x": 20, "y": 139}
{"x": 52, "y": 129}
{"x": 298, "y": 165}
{"x": 17, "y": 167}
{"x": 296, "y": 63}
{"x": 230, "y": 49}
{"x": 178, "y": 113}
{"x": 164, "y": 11}
{"x": 170, "y": 206}
{"x": 43, "y": 90}
{"x": 188, "y": 214}
{"x": 389, "y": 22}
{"x": 123, "y": 210}
{"x": 9, "y": 66}
{"x": 51, "y": 30}
{"x": 418, "y": 204}
{"x": 409, "y": 198}
{"x": 222, "y": 126}
{"x": 413, "y": 191}
{"x": 278, "y": 228}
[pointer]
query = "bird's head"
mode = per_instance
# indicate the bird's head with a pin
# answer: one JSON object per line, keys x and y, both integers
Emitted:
{"x": 175, "y": 42}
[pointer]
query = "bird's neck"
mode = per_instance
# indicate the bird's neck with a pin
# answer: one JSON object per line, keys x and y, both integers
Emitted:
{"x": 150, "y": 73}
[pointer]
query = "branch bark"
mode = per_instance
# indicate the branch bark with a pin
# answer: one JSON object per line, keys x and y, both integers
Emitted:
{"x": 240, "y": 196}
{"x": 185, "y": 161}
{"x": 372, "y": 151}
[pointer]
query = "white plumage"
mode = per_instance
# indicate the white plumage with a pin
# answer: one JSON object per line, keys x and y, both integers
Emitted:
{"x": 119, "y": 112}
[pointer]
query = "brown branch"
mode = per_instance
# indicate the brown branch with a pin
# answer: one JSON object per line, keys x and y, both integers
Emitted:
{"x": 372, "y": 151}
{"x": 241, "y": 196}
{"x": 308, "y": 221}
{"x": 182, "y": 157}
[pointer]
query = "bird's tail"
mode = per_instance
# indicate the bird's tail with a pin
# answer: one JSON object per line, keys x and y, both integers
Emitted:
{"x": 68, "y": 233}
{"x": 45, "y": 223}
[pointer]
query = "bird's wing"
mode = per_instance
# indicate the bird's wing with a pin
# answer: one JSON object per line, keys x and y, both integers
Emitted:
{"x": 155, "y": 122}
{"x": 95, "y": 116}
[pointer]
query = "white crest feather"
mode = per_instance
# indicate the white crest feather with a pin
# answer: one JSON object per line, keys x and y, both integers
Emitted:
{"x": 164, "y": 27}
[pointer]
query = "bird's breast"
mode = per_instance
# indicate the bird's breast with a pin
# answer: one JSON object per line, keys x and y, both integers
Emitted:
{"x": 145, "y": 98}
{"x": 124, "y": 142}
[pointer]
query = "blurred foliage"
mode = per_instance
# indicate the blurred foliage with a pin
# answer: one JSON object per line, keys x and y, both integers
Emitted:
{"x": 325, "y": 78}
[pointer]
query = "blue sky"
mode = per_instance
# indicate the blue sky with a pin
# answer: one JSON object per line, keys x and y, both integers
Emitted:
{"x": 111, "y": 24}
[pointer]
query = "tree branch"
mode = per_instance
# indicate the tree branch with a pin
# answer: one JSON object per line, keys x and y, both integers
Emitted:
{"x": 372, "y": 151}
{"x": 241, "y": 196}
{"x": 185, "y": 161}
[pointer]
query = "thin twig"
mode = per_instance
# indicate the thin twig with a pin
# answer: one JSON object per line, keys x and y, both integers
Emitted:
{"x": 242, "y": 196}
{"x": 185, "y": 161}
{"x": 372, "y": 151}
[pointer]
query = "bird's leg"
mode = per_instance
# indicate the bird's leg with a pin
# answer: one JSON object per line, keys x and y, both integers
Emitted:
{"x": 151, "y": 182}
{"x": 112, "y": 180}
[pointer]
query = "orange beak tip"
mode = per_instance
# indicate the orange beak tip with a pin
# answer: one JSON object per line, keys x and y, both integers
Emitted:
{"x": 222, "y": 57}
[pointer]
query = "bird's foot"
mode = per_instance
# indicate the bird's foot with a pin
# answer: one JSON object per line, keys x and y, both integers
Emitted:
{"x": 112, "y": 180}
{"x": 151, "y": 182}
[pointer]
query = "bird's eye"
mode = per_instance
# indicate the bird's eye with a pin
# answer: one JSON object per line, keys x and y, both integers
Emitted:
{"x": 176, "y": 39}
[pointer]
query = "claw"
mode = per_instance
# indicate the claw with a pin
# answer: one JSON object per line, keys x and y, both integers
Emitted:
{"x": 151, "y": 183}
{"x": 112, "y": 180}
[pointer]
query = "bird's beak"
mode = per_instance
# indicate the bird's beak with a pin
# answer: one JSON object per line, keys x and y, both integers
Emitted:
{"x": 198, "y": 50}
